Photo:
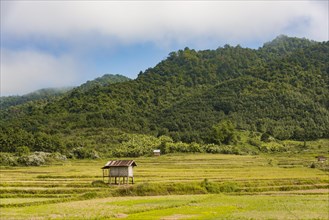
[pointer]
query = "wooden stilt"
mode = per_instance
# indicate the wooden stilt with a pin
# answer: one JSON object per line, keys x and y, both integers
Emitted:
{"x": 118, "y": 174}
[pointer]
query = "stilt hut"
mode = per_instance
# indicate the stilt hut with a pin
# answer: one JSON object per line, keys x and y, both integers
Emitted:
{"x": 321, "y": 158}
{"x": 156, "y": 152}
{"x": 119, "y": 168}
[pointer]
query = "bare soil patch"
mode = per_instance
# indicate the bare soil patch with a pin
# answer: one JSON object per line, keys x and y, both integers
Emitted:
{"x": 177, "y": 217}
{"x": 121, "y": 215}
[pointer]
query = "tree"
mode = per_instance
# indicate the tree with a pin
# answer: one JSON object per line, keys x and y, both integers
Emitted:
{"x": 224, "y": 133}
{"x": 23, "y": 150}
{"x": 265, "y": 137}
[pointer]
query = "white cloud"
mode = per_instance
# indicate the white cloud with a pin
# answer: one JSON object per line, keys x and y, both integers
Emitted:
{"x": 135, "y": 21}
{"x": 26, "y": 71}
{"x": 33, "y": 31}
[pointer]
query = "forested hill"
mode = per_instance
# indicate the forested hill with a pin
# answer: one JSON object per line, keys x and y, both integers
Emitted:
{"x": 49, "y": 94}
{"x": 42, "y": 94}
{"x": 280, "y": 89}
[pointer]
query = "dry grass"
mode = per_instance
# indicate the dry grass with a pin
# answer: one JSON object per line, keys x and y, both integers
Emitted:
{"x": 268, "y": 188}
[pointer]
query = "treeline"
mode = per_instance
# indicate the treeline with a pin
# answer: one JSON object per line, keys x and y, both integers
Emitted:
{"x": 94, "y": 143}
{"x": 91, "y": 143}
{"x": 280, "y": 89}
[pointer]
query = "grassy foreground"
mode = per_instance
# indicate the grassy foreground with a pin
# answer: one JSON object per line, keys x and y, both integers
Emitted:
{"x": 181, "y": 207}
{"x": 183, "y": 186}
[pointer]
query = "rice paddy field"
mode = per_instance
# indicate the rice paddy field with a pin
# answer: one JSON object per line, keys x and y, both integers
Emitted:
{"x": 180, "y": 186}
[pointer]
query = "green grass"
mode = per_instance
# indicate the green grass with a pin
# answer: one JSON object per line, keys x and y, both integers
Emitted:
{"x": 270, "y": 186}
{"x": 181, "y": 206}
{"x": 9, "y": 201}
{"x": 244, "y": 207}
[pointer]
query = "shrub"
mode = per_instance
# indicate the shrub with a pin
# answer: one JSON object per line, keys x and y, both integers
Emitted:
{"x": 223, "y": 149}
{"x": 39, "y": 158}
{"x": 152, "y": 189}
{"x": 230, "y": 150}
{"x": 185, "y": 188}
{"x": 196, "y": 148}
{"x": 213, "y": 149}
{"x": 177, "y": 147}
{"x": 99, "y": 183}
{"x": 84, "y": 153}
{"x": 255, "y": 143}
{"x": 148, "y": 189}
{"x": 7, "y": 159}
{"x": 313, "y": 166}
{"x": 57, "y": 156}
{"x": 89, "y": 195}
{"x": 23, "y": 150}
{"x": 226, "y": 187}
{"x": 35, "y": 159}
{"x": 265, "y": 137}
{"x": 273, "y": 147}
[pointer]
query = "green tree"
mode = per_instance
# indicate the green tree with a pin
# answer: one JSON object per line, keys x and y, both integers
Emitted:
{"x": 224, "y": 133}
{"x": 23, "y": 150}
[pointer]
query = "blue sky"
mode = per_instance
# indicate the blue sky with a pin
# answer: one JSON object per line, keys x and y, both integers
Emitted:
{"x": 65, "y": 43}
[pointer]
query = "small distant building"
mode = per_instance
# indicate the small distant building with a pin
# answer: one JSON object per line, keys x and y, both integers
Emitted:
{"x": 156, "y": 152}
{"x": 321, "y": 158}
{"x": 117, "y": 169}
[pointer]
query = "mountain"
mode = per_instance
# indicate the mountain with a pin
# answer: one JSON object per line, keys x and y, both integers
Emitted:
{"x": 50, "y": 94}
{"x": 102, "y": 81}
{"x": 42, "y": 94}
{"x": 280, "y": 89}
{"x": 283, "y": 45}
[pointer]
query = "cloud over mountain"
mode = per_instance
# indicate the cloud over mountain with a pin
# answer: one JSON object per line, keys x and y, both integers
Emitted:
{"x": 29, "y": 71}
{"x": 136, "y": 21}
{"x": 61, "y": 29}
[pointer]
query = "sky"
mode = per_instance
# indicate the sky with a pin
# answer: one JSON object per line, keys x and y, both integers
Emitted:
{"x": 65, "y": 43}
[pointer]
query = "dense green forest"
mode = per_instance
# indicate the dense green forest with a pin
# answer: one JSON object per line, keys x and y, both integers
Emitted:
{"x": 42, "y": 94}
{"x": 193, "y": 101}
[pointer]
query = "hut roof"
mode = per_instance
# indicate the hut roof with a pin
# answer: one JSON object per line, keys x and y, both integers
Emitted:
{"x": 321, "y": 158}
{"x": 119, "y": 163}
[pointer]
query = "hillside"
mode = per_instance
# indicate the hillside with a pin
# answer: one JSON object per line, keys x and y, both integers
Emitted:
{"x": 280, "y": 89}
{"x": 42, "y": 94}
{"x": 49, "y": 94}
